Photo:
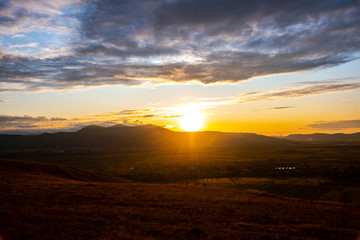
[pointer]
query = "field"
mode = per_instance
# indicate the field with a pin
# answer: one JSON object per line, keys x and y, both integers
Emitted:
{"x": 324, "y": 172}
{"x": 307, "y": 191}
{"x": 42, "y": 201}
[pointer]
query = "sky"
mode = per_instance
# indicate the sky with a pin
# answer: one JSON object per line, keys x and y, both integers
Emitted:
{"x": 272, "y": 67}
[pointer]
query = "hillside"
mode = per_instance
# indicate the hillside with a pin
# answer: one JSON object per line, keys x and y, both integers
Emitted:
{"x": 92, "y": 138}
{"x": 22, "y": 169}
{"x": 323, "y": 137}
{"x": 39, "y": 203}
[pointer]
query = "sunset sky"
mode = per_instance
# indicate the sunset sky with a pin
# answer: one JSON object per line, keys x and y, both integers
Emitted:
{"x": 272, "y": 67}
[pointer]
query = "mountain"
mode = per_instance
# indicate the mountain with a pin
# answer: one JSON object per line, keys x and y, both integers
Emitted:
{"x": 322, "y": 137}
{"x": 120, "y": 137}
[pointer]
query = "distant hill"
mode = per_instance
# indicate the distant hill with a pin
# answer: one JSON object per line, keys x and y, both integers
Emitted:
{"x": 125, "y": 137}
{"x": 322, "y": 137}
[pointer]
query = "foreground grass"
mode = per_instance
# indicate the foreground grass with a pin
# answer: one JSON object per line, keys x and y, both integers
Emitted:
{"x": 43, "y": 205}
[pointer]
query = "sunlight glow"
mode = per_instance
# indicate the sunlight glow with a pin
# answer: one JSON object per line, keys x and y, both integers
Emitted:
{"x": 192, "y": 121}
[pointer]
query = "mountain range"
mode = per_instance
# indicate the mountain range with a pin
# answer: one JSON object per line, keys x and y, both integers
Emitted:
{"x": 120, "y": 137}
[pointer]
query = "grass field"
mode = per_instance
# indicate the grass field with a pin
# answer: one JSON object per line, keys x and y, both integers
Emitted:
{"x": 303, "y": 188}
{"x": 54, "y": 202}
{"x": 321, "y": 169}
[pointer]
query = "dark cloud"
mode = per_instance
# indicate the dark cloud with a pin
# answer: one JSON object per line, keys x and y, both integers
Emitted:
{"x": 131, "y": 42}
{"x": 127, "y": 112}
{"x": 276, "y": 108}
{"x": 26, "y": 122}
{"x": 148, "y": 116}
{"x": 102, "y": 50}
{"x": 336, "y": 125}
{"x": 310, "y": 89}
{"x": 217, "y": 17}
{"x": 57, "y": 73}
{"x": 131, "y": 111}
{"x": 58, "y": 119}
{"x": 17, "y": 16}
{"x": 6, "y": 118}
{"x": 27, "y": 126}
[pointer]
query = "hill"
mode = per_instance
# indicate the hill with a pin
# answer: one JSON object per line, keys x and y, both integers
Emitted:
{"x": 39, "y": 203}
{"x": 323, "y": 137}
{"x": 48, "y": 171}
{"x": 118, "y": 137}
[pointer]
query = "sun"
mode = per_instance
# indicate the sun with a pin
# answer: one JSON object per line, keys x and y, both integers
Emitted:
{"x": 192, "y": 121}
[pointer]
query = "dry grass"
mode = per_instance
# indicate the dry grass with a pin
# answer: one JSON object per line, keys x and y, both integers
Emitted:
{"x": 37, "y": 205}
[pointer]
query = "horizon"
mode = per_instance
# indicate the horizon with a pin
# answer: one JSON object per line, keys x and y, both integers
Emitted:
{"x": 74, "y": 130}
{"x": 273, "y": 68}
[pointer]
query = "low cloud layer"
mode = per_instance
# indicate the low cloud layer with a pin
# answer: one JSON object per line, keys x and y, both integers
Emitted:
{"x": 26, "y": 118}
{"x": 35, "y": 125}
{"x": 314, "y": 88}
{"x": 276, "y": 108}
{"x": 133, "y": 42}
{"x": 27, "y": 123}
{"x": 336, "y": 125}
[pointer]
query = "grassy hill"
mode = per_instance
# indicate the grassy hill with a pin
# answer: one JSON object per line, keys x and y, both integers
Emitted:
{"x": 46, "y": 201}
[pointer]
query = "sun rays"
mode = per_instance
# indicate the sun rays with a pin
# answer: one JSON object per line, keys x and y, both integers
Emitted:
{"x": 192, "y": 120}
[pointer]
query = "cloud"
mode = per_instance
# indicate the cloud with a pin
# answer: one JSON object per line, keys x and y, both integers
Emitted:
{"x": 26, "y": 118}
{"x": 134, "y": 42}
{"x": 336, "y": 125}
{"x": 58, "y": 119}
{"x": 6, "y": 119}
{"x": 149, "y": 116}
{"x": 28, "y": 126}
{"x": 23, "y": 124}
{"x": 22, "y": 16}
{"x": 154, "y": 114}
{"x": 276, "y": 108}
{"x": 132, "y": 123}
{"x": 4, "y": 101}
{"x": 126, "y": 113}
{"x": 8, "y": 122}
{"x": 172, "y": 116}
{"x": 300, "y": 91}
{"x": 233, "y": 40}
{"x": 33, "y": 44}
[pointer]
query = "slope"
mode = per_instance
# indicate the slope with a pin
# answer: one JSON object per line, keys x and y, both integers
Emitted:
{"x": 64, "y": 208}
